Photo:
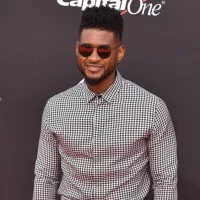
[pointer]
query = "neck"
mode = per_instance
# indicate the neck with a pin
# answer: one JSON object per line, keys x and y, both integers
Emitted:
{"x": 103, "y": 85}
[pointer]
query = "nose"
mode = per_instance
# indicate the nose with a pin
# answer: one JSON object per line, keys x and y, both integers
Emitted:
{"x": 94, "y": 57}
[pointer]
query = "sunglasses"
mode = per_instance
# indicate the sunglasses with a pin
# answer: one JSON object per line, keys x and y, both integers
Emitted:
{"x": 103, "y": 51}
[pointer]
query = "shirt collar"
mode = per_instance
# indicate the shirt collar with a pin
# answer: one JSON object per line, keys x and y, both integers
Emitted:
{"x": 109, "y": 94}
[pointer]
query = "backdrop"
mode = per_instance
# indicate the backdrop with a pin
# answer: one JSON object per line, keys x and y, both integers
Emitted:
{"x": 38, "y": 60}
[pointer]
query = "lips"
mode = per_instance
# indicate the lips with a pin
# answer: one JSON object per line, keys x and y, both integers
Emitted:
{"x": 94, "y": 68}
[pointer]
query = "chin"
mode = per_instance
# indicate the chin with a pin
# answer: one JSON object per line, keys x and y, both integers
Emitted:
{"x": 93, "y": 81}
{"x": 93, "y": 76}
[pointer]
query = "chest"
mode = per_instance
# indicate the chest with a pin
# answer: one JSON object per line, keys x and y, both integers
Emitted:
{"x": 102, "y": 129}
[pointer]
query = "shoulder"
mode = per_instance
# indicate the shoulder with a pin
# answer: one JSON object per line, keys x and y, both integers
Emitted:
{"x": 138, "y": 93}
{"x": 143, "y": 99}
{"x": 74, "y": 92}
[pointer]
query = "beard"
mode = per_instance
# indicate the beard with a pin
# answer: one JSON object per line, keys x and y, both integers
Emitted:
{"x": 96, "y": 80}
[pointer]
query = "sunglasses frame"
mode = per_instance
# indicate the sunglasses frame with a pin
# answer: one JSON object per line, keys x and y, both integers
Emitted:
{"x": 90, "y": 46}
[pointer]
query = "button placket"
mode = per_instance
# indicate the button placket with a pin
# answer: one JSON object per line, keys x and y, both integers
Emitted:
{"x": 97, "y": 120}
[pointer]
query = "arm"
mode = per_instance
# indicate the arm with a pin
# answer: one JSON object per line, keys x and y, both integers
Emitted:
{"x": 162, "y": 148}
{"x": 47, "y": 164}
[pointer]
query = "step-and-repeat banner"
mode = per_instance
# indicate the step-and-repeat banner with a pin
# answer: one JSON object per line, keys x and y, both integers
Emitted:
{"x": 38, "y": 60}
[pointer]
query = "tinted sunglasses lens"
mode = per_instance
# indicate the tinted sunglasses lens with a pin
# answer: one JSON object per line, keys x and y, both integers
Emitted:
{"x": 85, "y": 50}
{"x": 104, "y": 52}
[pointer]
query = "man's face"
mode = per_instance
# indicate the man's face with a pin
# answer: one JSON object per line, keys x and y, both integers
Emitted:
{"x": 94, "y": 68}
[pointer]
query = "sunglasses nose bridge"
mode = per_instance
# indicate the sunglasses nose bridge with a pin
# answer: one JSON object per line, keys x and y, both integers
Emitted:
{"x": 94, "y": 55}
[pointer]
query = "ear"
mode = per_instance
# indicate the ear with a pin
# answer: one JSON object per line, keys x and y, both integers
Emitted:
{"x": 120, "y": 53}
{"x": 77, "y": 48}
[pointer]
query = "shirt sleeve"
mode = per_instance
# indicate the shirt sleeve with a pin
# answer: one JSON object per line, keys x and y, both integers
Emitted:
{"x": 162, "y": 149}
{"x": 47, "y": 165}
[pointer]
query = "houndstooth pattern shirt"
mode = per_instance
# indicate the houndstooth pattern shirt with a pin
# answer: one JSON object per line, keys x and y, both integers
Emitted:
{"x": 107, "y": 145}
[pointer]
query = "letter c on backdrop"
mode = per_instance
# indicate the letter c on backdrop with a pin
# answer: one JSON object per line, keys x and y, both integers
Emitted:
{"x": 62, "y": 3}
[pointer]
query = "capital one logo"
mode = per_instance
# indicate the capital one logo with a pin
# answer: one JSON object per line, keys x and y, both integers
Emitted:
{"x": 143, "y": 6}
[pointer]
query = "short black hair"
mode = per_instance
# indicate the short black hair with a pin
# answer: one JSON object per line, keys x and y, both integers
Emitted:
{"x": 102, "y": 18}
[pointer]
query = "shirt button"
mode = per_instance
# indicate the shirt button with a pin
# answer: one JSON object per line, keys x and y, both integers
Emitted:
{"x": 99, "y": 96}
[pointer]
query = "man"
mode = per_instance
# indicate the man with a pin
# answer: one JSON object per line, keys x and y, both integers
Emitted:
{"x": 107, "y": 134}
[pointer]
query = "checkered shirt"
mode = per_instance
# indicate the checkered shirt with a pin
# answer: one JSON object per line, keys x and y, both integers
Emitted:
{"x": 107, "y": 145}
